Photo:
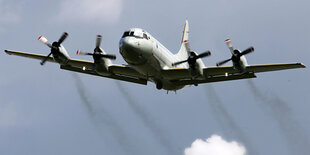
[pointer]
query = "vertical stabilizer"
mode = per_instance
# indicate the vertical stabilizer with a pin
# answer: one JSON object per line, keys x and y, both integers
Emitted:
{"x": 184, "y": 50}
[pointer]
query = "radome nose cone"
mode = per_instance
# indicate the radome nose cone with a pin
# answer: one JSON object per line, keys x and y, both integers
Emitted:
{"x": 128, "y": 43}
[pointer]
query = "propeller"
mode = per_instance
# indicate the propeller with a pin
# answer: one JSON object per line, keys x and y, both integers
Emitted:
{"x": 98, "y": 53}
{"x": 191, "y": 60}
{"x": 54, "y": 47}
{"x": 236, "y": 54}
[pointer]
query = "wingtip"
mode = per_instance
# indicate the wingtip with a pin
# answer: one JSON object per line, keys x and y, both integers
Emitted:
{"x": 302, "y": 65}
{"x": 7, "y": 52}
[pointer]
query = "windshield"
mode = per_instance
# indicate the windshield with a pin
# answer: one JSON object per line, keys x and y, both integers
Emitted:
{"x": 136, "y": 34}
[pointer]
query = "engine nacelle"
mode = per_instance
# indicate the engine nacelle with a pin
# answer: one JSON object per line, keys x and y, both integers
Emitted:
{"x": 102, "y": 64}
{"x": 60, "y": 55}
{"x": 198, "y": 69}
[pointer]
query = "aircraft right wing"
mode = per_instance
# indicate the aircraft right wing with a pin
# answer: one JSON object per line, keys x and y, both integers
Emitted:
{"x": 118, "y": 72}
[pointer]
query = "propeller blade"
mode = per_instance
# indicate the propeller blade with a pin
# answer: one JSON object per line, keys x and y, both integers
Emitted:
{"x": 222, "y": 62}
{"x": 230, "y": 46}
{"x": 247, "y": 51}
{"x": 98, "y": 41}
{"x": 177, "y": 63}
{"x": 45, "y": 41}
{"x": 78, "y": 52}
{"x": 108, "y": 56}
{"x": 45, "y": 59}
{"x": 204, "y": 54}
{"x": 63, "y": 37}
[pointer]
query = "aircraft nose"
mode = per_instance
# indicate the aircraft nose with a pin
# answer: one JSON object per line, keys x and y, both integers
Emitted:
{"x": 129, "y": 43}
{"x": 134, "y": 51}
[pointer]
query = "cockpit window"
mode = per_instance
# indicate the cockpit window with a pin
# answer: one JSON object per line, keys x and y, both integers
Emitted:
{"x": 136, "y": 34}
{"x": 145, "y": 36}
{"x": 126, "y": 33}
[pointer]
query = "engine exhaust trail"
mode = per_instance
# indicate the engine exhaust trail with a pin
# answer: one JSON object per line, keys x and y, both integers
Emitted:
{"x": 147, "y": 120}
{"x": 225, "y": 120}
{"x": 282, "y": 113}
{"x": 101, "y": 118}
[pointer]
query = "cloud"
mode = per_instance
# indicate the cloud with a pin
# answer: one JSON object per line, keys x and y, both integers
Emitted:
{"x": 90, "y": 11}
{"x": 215, "y": 145}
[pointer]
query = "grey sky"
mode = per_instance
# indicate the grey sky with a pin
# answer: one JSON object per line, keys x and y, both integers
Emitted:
{"x": 41, "y": 111}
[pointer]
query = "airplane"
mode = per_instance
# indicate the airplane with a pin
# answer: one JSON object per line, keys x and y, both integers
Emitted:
{"x": 149, "y": 61}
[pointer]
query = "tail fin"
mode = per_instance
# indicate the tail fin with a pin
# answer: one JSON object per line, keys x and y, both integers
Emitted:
{"x": 184, "y": 50}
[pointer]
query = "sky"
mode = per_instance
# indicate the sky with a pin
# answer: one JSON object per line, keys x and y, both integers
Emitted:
{"x": 45, "y": 110}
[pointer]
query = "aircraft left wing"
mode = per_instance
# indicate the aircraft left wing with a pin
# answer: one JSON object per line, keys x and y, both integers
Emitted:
{"x": 182, "y": 76}
{"x": 118, "y": 72}
{"x": 215, "y": 71}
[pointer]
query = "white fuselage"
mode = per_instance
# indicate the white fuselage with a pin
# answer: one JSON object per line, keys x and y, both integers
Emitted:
{"x": 148, "y": 56}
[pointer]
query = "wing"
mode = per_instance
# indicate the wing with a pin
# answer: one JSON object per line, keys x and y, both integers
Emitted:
{"x": 215, "y": 71}
{"x": 273, "y": 67}
{"x": 182, "y": 76}
{"x": 215, "y": 79}
{"x": 29, "y": 55}
{"x": 118, "y": 72}
{"x": 123, "y": 73}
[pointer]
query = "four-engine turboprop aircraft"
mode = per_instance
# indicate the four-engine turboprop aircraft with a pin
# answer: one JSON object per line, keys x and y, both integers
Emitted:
{"x": 149, "y": 60}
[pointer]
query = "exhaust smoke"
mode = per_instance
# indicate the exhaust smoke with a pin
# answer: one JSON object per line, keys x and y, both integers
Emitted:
{"x": 101, "y": 118}
{"x": 282, "y": 113}
{"x": 225, "y": 120}
{"x": 147, "y": 120}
